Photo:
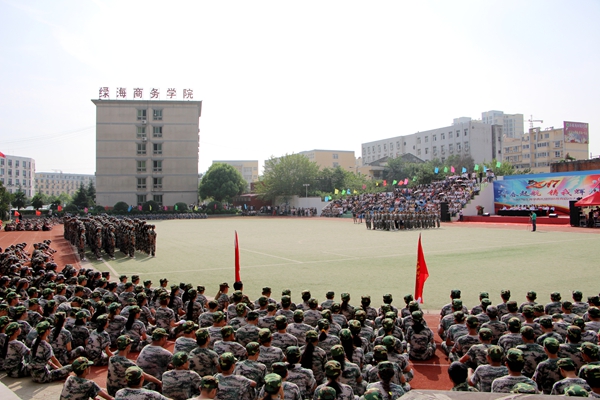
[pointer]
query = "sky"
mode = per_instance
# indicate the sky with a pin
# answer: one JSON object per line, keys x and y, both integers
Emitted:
{"x": 280, "y": 77}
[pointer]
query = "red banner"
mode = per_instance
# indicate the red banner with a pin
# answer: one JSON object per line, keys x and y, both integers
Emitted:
{"x": 422, "y": 273}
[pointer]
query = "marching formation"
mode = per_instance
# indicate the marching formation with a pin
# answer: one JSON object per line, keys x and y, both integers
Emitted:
{"x": 396, "y": 220}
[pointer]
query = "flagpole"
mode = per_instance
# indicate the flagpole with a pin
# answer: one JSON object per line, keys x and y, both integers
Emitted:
{"x": 237, "y": 259}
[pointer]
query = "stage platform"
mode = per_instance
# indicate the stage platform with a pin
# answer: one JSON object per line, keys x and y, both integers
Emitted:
{"x": 497, "y": 219}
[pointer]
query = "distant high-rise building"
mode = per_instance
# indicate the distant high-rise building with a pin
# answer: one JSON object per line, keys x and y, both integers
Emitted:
{"x": 332, "y": 158}
{"x": 512, "y": 124}
{"x": 147, "y": 150}
{"x": 248, "y": 168}
{"x": 18, "y": 173}
{"x": 56, "y": 183}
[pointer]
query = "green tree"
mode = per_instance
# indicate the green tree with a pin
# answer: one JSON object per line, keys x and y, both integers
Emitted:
{"x": 181, "y": 207}
{"x": 5, "y": 199}
{"x": 504, "y": 169}
{"x": 121, "y": 206}
{"x": 91, "y": 194}
{"x": 80, "y": 198}
{"x": 19, "y": 200}
{"x": 37, "y": 201}
{"x": 285, "y": 176}
{"x": 221, "y": 182}
{"x": 151, "y": 206}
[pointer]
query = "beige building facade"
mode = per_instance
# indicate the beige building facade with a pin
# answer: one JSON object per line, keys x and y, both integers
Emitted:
{"x": 56, "y": 183}
{"x": 18, "y": 173}
{"x": 332, "y": 159}
{"x": 539, "y": 148}
{"x": 248, "y": 168}
{"x": 147, "y": 150}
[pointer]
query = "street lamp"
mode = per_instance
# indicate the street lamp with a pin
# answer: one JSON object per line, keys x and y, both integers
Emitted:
{"x": 306, "y": 185}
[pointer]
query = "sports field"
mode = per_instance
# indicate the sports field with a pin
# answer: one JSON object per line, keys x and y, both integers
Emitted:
{"x": 336, "y": 254}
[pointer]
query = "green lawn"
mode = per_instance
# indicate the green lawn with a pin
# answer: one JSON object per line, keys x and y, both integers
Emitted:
{"x": 335, "y": 254}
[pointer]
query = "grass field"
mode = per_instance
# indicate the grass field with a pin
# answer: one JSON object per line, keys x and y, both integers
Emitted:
{"x": 335, "y": 254}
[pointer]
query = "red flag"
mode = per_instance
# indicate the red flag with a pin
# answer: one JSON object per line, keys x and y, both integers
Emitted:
{"x": 422, "y": 273}
{"x": 59, "y": 208}
{"x": 237, "y": 259}
{"x": 17, "y": 214}
{"x": 384, "y": 183}
{"x": 38, "y": 213}
{"x": 2, "y": 155}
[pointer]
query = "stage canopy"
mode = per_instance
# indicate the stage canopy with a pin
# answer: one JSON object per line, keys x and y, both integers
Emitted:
{"x": 591, "y": 200}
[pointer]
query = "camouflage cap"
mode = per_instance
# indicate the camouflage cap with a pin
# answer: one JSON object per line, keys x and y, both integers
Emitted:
{"x": 121, "y": 277}
{"x": 408, "y": 298}
{"x": 486, "y": 302}
{"x": 262, "y": 301}
{"x": 528, "y": 311}
{"x": 505, "y": 292}
{"x": 133, "y": 374}
{"x": 80, "y": 315}
{"x": 524, "y": 388}
{"x": 337, "y": 350}
{"x": 328, "y": 393}
{"x": 202, "y": 334}
{"x": 365, "y": 299}
{"x": 555, "y": 296}
{"x": 380, "y": 353}
{"x": 335, "y": 307}
{"x": 129, "y": 284}
{"x": 323, "y": 324}
{"x": 42, "y": 327}
{"x": 345, "y": 296}
{"x": 387, "y": 297}
{"x": 298, "y": 313}
{"x": 180, "y": 358}
{"x": 286, "y": 300}
{"x": 592, "y": 375}
{"x": 360, "y": 315}
{"x": 531, "y": 295}
{"x": 266, "y": 289}
{"x": 385, "y": 366}
{"x": 576, "y": 391}
{"x": 189, "y": 326}
{"x": 132, "y": 301}
{"x": 4, "y": 320}
{"x": 417, "y": 315}
{"x": 252, "y": 315}
{"x": 594, "y": 312}
{"x": 389, "y": 341}
{"x": 237, "y": 295}
{"x": 280, "y": 368}
{"x": 527, "y": 332}
{"x": 293, "y": 351}
{"x": 455, "y": 293}
{"x": 218, "y": 316}
{"x": 354, "y": 325}
{"x": 163, "y": 280}
{"x": 240, "y": 309}
{"x": 227, "y": 331}
{"x": 495, "y": 352}
{"x": 484, "y": 295}
{"x": 226, "y": 360}
{"x": 492, "y": 311}
{"x": 577, "y": 294}
{"x": 589, "y": 349}
{"x": 514, "y": 355}
{"x": 387, "y": 323}
{"x": 12, "y": 295}
{"x": 567, "y": 305}
{"x": 457, "y": 304}
{"x": 134, "y": 309}
{"x": 330, "y": 294}
{"x": 123, "y": 341}
{"x": 286, "y": 292}
{"x": 345, "y": 334}
{"x": 312, "y": 334}
{"x": 551, "y": 344}
{"x": 472, "y": 321}
{"x": 574, "y": 332}
{"x": 252, "y": 348}
{"x": 538, "y": 308}
{"x": 209, "y": 382}
{"x": 114, "y": 307}
{"x": 514, "y": 323}
{"x": 370, "y": 394}
{"x": 159, "y": 333}
{"x": 34, "y": 301}
{"x": 512, "y": 306}
{"x": 264, "y": 335}
{"x": 565, "y": 363}
{"x": 459, "y": 315}
{"x": 305, "y": 293}
{"x": 546, "y": 322}
{"x": 333, "y": 369}
{"x": 80, "y": 364}
{"x": 485, "y": 333}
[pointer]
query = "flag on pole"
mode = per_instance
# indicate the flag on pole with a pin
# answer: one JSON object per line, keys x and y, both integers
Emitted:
{"x": 400, "y": 183}
{"x": 347, "y": 191}
{"x": 355, "y": 192}
{"x": 394, "y": 182}
{"x": 85, "y": 210}
{"x": 237, "y": 259}
{"x": 422, "y": 273}
{"x": 476, "y": 167}
{"x": 498, "y": 164}
{"x": 128, "y": 210}
{"x": 484, "y": 169}
{"x": 2, "y": 155}
{"x": 336, "y": 191}
{"x": 406, "y": 181}
{"x": 364, "y": 187}
{"x": 140, "y": 207}
{"x": 384, "y": 182}
{"x": 445, "y": 169}
{"x": 436, "y": 170}
{"x": 452, "y": 169}
{"x": 17, "y": 214}
{"x": 175, "y": 207}
{"x": 464, "y": 170}
{"x": 414, "y": 179}
{"x": 38, "y": 213}
{"x": 59, "y": 208}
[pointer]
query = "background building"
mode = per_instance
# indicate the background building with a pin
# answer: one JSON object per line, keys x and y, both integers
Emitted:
{"x": 539, "y": 148}
{"x": 512, "y": 124}
{"x": 55, "y": 183}
{"x": 465, "y": 137}
{"x": 147, "y": 150}
{"x": 248, "y": 168}
{"x": 18, "y": 172}
{"x": 332, "y": 159}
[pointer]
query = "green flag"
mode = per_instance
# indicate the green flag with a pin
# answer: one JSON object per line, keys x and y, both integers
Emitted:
{"x": 414, "y": 178}
{"x": 394, "y": 183}
{"x": 175, "y": 207}
{"x": 445, "y": 169}
{"x": 498, "y": 164}
{"x": 476, "y": 167}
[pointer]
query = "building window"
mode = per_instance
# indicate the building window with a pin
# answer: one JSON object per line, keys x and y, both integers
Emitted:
{"x": 9, "y": 172}
{"x": 546, "y": 136}
{"x": 435, "y": 138}
{"x": 141, "y": 115}
{"x": 426, "y": 150}
{"x": 557, "y": 153}
{"x": 16, "y": 163}
{"x": 157, "y": 166}
{"x": 335, "y": 156}
{"x": 457, "y": 133}
{"x": 158, "y": 199}
{"x": 450, "y": 135}
{"x": 443, "y": 148}
{"x": 418, "y": 140}
{"x": 141, "y": 132}
{"x": 157, "y": 183}
{"x": 336, "y": 164}
{"x": 426, "y": 139}
{"x": 398, "y": 145}
{"x": 1, "y": 161}
{"x": 450, "y": 149}
{"x": 466, "y": 132}
{"x": 141, "y": 199}
{"x": 141, "y": 166}
{"x": 17, "y": 182}
{"x": 10, "y": 163}
{"x": 16, "y": 172}
{"x": 141, "y": 149}
{"x": 157, "y": 131}
{"x": 157, "y": 149}
{"x": 557, "y": 144}
{"x": 384, "y": 147}
{"x": 443, "y": 136}
{"x": 141, "y": 183}
{"x": 466, "y": 146}
{"x": 458, "y": 147}
{"x": 157, "y": 115}
{"x": 435, "y": 150}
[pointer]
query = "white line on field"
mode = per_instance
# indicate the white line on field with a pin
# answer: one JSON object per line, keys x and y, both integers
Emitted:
{"x": 270, "y": 255}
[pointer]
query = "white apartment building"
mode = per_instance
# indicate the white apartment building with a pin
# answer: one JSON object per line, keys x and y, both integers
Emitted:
{"x": 248, "y": 168}
{"x": 147, "y": 150}
{"x": 18, "y": 172}
{"x": 512, "y": 124}
{"x": 481, "y": 141}
{"x": 55, "y": 183}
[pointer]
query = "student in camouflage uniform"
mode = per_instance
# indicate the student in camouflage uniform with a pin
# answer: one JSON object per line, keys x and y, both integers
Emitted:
{"x": 312, "y": 315}
{"x": 465, "y": 342}
{"x": 485, "y": 373}
{"x": 98, "y": 347}
{"x": 206, "y": 318}
{"x": 135, "y": 329}
{"x": 42, "y": 355}
{"x": 333, "y": 371}
{"x": 165, "y": 317}
{"x": 268, "y": 321}
{"x": 547, "y": 372}
{"x": 458, "y": 329}
{"x": 202, "y": 359}
{"x": 281, "y": 338}
{"x": 232, "y": 387}
{"x": 268, "y": 353}
{"x": 589, "y": 352}
{"x": 273, "y": 388}
{"x": 208, "y": 388}
{"x": 118, "y": 364}
{"x": 187, "y": 342}
{"x": 248, "y": 332}
{"x": 298, "y": 328}
{"x": 314, "y": 357}
{"x": 78, "y": 387}
{"x": 458, "y": 373}
{"x": 302, "y": 377}
{"x": 251, "y": 368}
{"x": 334, "y": 328}
{"x": 555, "y": 305}
{"x": 228, "y": 344}
{"x": 593, "y": 379}
{"x": 180, "y": 383}
{"x": 572, "y": 348}
{"x": 548, "y": 331}
{"x": 241, "y": 311}
{"x": 60, "y": 339}
{"x": 567, "y": 370}
{"x": 286, "y": 308}
{"x": 533, "y": 353}
{"x": 578, "y": 306}
{"x": 215, "y": 330}
{"x": 305, "y": 294}
{"x": 14, "y": 352}
{"x": 515, "y": 362}
{"x": 513, "y": 338}
{"x": 154, "y": 359}
{"x": 351, "y": 373}
{"x": 134, "y": 391}
{"x": 291, "y": 391}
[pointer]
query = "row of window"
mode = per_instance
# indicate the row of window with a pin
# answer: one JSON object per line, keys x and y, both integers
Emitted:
{"x": 443, "y": 149}
{"x": 157, "y": 149}
{"x": 9, "y": 162}
{"x": 157, "y": 131}
{"x": 142, "y": 198}
{"x": 157, "y": 166}
{"x": 156, "y": 183}
{"x": 17, "y": 172}
{"x": 18, "y": 182}
{"x": 142, "y": 114}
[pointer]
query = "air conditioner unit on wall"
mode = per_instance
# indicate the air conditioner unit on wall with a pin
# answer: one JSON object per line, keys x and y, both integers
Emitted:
{"x": 144, "y": 122}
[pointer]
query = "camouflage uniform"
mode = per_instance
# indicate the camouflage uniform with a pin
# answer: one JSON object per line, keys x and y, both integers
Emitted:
{"x": 138, "y": 394}
{"x": 284, "y": 340}
{"x": 462, "y": 345}
{"x": 163, "y": 317}
{"x": 80, "y": 334}
{"x": 184, "y": 344}
{"x": 302, "y": 377}
{"x": 270, "y": 355}
{"x": 559, "y": 387}
{"x": 59, "y": 346}
{"x": 533, "y": 354}
{"x": 115, "y": 380}
{"x": 253, "y": 370}
{"x": 233, "y": 387}
{"x": 205, "y": 320}
{"x": 154, "y": 360}
{"x": 485, "y": 374}
{"x": 346, "y": 394}
{"x": 498, "y": 329}
{"x": 235, "y": 348}
{"x": 420, "y": 345}
{"x": 506, "y": 383}
{"x": 299, "y": 329}
{"x": 350, "y": 375}
{"x": 39, "y": 369}
{"x": 180, "y": 384}
{"x": 572, "y": 351}
{"x": 76, "y": 388}
{"x": 96, "y": 346}
{"x": 318, "y": 362}
{"x": 115, "y": 327}
{"x": 510, "y": 341}
{"x": 14, "y": 364}
{"x": 290, "y": 391}
{"x": 247, "y": 333}
{"x": 540, "y": 339}
{"x": 135, "y": 333}
{"x": 546, "y": 374}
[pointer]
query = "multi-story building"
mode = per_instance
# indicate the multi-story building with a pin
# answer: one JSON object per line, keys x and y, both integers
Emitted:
{"x": 18, "y": 172}
{"x": 538, "y": 148}
{"x": 512, "y": 124}
{"x": 147, "y": 150}
{"x": 332, "y": 159}
{"x": 465, "y": 137}
{"x": 56, "y": 183}
{"x": 248, "y": 168}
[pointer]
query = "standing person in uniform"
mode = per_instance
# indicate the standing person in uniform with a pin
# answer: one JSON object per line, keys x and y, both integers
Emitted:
{"x": 532, "y": 218}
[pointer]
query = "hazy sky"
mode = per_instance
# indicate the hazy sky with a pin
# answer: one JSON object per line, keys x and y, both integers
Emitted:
{"x": 280, "y": 77}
